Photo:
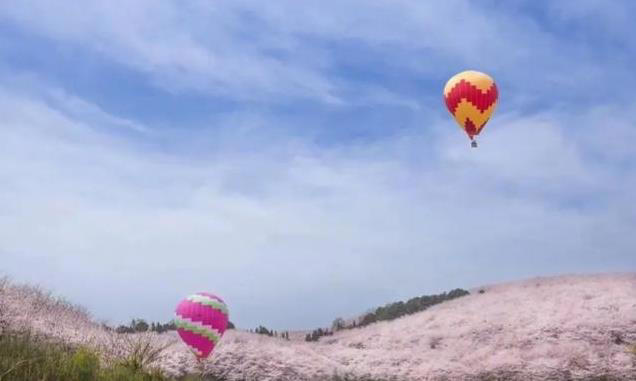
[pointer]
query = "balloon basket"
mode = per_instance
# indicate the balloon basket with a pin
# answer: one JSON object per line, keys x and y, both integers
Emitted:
{"x": 473, "y": 144}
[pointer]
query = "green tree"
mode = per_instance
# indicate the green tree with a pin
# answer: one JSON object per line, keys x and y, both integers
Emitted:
{"x": 338, "y": 324}
{"x": 140, "y": 326}
{"x": 368, "y": 319}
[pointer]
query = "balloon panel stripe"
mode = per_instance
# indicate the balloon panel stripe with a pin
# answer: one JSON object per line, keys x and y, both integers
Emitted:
{"x": 211, "y": 296}
{"x": 202, "y": 313}
{"x": 465, "y": 90}
{"x": 467, "y": 110}
{"x": 470, "y": 128}
{"x": 207, "y": 301}
{"x": 482, "y": 80}
{"x": 202, "y": 330}
{"x": 199, "y": 344}
{"x": 192, "y": 322}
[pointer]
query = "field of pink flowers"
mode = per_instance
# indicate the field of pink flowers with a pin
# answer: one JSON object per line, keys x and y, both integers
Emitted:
{"x": 562, "y": 327}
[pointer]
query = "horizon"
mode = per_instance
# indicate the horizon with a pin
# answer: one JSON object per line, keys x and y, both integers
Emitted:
{"x": 298, "y": 160}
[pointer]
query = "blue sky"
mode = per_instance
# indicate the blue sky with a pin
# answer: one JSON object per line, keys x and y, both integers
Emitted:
{"x": 297, "y": 158}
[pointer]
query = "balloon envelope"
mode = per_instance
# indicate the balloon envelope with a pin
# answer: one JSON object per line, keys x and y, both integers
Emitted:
{"x": 471, "y": 97}
{"x": 201, "y": 320}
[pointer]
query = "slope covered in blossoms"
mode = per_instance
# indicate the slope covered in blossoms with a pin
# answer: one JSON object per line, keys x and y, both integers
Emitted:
{"x": 544, "y": 328}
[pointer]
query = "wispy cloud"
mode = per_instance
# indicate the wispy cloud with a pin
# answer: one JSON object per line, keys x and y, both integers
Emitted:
{"x": 267, "y": 51}
{"x": 265, "y": 229}
{"x": 335, "y": 178}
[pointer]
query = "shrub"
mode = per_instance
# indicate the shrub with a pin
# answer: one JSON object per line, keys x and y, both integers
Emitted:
{"x": 84, "y": 365}
{"x": 4, "y": 320}
{"x": 141, "y": 351}
{"x": 24, "y": 356}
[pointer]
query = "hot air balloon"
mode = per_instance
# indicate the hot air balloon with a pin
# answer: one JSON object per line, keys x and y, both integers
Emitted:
{"x": 471, "y": 97}
{"x": 201, "y": 320}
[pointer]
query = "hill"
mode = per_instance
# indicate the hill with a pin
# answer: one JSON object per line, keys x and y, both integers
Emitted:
{"x": 564, "y": 327}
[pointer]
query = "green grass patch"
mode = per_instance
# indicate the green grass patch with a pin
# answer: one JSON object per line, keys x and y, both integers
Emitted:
{"x": 25, "y": 357}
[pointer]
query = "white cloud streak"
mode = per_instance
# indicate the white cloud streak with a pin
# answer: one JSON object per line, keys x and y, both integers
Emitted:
{"x": 251, "y": 50}
{"x": 305, "y": 226}
{"x": 280, "y": 226}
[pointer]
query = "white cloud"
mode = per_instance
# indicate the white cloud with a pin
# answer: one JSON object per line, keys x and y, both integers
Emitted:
{"x": 167, "y": 42}
{"x": 299, "y": 225}
{"x": 268, "y": 51}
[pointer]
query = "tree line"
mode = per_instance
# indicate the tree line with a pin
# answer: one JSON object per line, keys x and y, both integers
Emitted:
{"x": 317, "y": 334}
{"x": 261, "y": 330}
{"x": 398, "y": 309}
{"x": 140, "y": 325}
{"x": 387, "y": 312}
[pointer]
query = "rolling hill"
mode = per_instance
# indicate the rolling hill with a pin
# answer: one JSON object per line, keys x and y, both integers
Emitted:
{"x": 548, "y": 328}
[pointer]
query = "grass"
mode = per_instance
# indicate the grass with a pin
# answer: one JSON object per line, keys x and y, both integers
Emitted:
{"x": 25, "y": 357}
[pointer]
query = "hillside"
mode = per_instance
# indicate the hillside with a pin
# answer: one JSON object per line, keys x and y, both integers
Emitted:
{"x": 542, "y": 328}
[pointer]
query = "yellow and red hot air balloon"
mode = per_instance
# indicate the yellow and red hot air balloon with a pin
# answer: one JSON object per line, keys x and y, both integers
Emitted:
{"x": 471, "y": 97}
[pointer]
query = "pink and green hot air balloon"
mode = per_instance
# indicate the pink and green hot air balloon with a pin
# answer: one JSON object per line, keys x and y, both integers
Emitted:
{"x": 201, "y": 320}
